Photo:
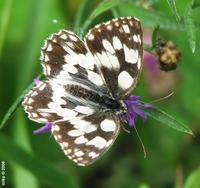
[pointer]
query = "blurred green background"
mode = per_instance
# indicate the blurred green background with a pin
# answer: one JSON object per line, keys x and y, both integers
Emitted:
{"x": 34, "y": 161}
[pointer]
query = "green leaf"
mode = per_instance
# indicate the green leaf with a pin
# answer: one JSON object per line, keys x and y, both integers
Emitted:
{"x": 152, "y": 2}
{"x": 155, "y": 35}
{"x": 14, "y": 106}
{"x": 193, "y": 181}
{"x": 143, "y": 186}
{"x": 168, "y": 120}
{"x": 148, "y": 48}
{"x": 80, "y": 14}
{"x": 115, "y": 12}
{"x": 101, "y": 8}
{"x": 196, "y": 5}
{"x": 4, "y": 20}
{"x": 172, "y": 5}
{"x": 190, "y": 26}
{"x": 22, "y": 176}
{"x": 150, "y": 19}
{"x": 12, "y": 152}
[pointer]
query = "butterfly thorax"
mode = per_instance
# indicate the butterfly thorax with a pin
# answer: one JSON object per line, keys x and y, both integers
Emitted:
{"x": 110, "y": 103}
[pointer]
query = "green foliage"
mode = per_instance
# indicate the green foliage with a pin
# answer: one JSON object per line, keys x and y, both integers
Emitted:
{"x": 193, "y": 180}
{"x": 168, "y": 120}
{"x": 101, "y": 8}
{"x": 14, "y": 106}
{"x": 41, "y": 169}
{"x": 155, "y": 36}
{"x": 23, "y": 27}
{"x": 150, "y": 18}
{"x": 190, "y": 26}
{"x": 172, "y": 5}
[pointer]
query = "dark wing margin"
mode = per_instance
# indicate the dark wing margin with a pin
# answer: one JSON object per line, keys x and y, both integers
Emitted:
{"x": 117, "y": 47}
{"x": 85, "y": 139}
{"x": 60, "y": 49}
{"x": 36, "y": 104}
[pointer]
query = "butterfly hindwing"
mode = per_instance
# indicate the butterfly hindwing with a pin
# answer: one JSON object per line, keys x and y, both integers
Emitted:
{"x": 80, "y": 126}
{"x": 85, "y": 139}
{"x": 118, "y": 50}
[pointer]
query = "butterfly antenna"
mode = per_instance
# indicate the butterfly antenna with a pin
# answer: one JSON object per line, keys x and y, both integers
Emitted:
{"x": 143, "y": 147}
{"x": 162, "y": 98}
{"x": 126, "y": 130}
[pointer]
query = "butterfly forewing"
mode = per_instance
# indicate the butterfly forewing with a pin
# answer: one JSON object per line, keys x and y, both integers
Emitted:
{"x": 49, "y": 102}
{"x": 66, "y": 60}
{"x": 86, "y": 79}
{"x": 37, "y": 104}
{"x": 118, "y": 50}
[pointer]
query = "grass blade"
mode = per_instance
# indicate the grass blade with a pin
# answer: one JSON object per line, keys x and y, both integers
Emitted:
{"x": 193, "y": 180}
{"x": 155, "y": 36}
{"x": 150, "y": 19}
{"x": 20, "y": 175}
{"x": 4, "y": 19}
{"x": 80, "y": 14}
{"x": 172, "y": 5}
{"x": 190, "y": 26}
{"x": 101, "y": 8}
{"x": 12, "y": 152}
{"x": 14, "y": 106}
{"x": 168, "y": 120}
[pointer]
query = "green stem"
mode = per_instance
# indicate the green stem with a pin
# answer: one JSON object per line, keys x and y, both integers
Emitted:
{"x": 15, "y": 105}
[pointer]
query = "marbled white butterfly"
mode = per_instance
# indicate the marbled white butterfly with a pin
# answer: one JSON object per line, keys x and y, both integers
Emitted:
{"x": 87, "y": 81}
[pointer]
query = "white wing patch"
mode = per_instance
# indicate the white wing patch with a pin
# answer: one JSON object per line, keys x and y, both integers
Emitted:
{"x": 108, "y": 125}
{"x": 125, "y": 80}
{"x": 97, "y": 142}
{"x": 131, "y": 55}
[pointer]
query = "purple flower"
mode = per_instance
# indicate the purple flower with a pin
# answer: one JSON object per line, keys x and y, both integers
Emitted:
{"x": 37, "y": 81}
{"x": 135, "y": 110}
{"x": 46, "y": 128}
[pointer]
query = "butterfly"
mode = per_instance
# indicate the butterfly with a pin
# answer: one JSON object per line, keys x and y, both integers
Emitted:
{"x": 87, "y": 81}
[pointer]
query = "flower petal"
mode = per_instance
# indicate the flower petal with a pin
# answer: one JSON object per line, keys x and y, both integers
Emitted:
{"x": 37, "y": 81}
{"x": 135, "y": 109}
{"x": 46, "y": 128}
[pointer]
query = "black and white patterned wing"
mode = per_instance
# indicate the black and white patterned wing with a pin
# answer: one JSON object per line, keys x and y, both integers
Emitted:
{"x": 80, "y": 76}
{"x": 117, "y": 47}
{"x": 85, "y": 139}
{"x": 80, "y": 124}
{"x": 70, "y": 69}
{"x": 50, "y": 102}
{"x": 66, "y": 60}
{"x": 39, "y": 103}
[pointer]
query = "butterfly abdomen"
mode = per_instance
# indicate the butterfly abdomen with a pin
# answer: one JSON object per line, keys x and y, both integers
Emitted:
{"x": 102, "y": 100}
